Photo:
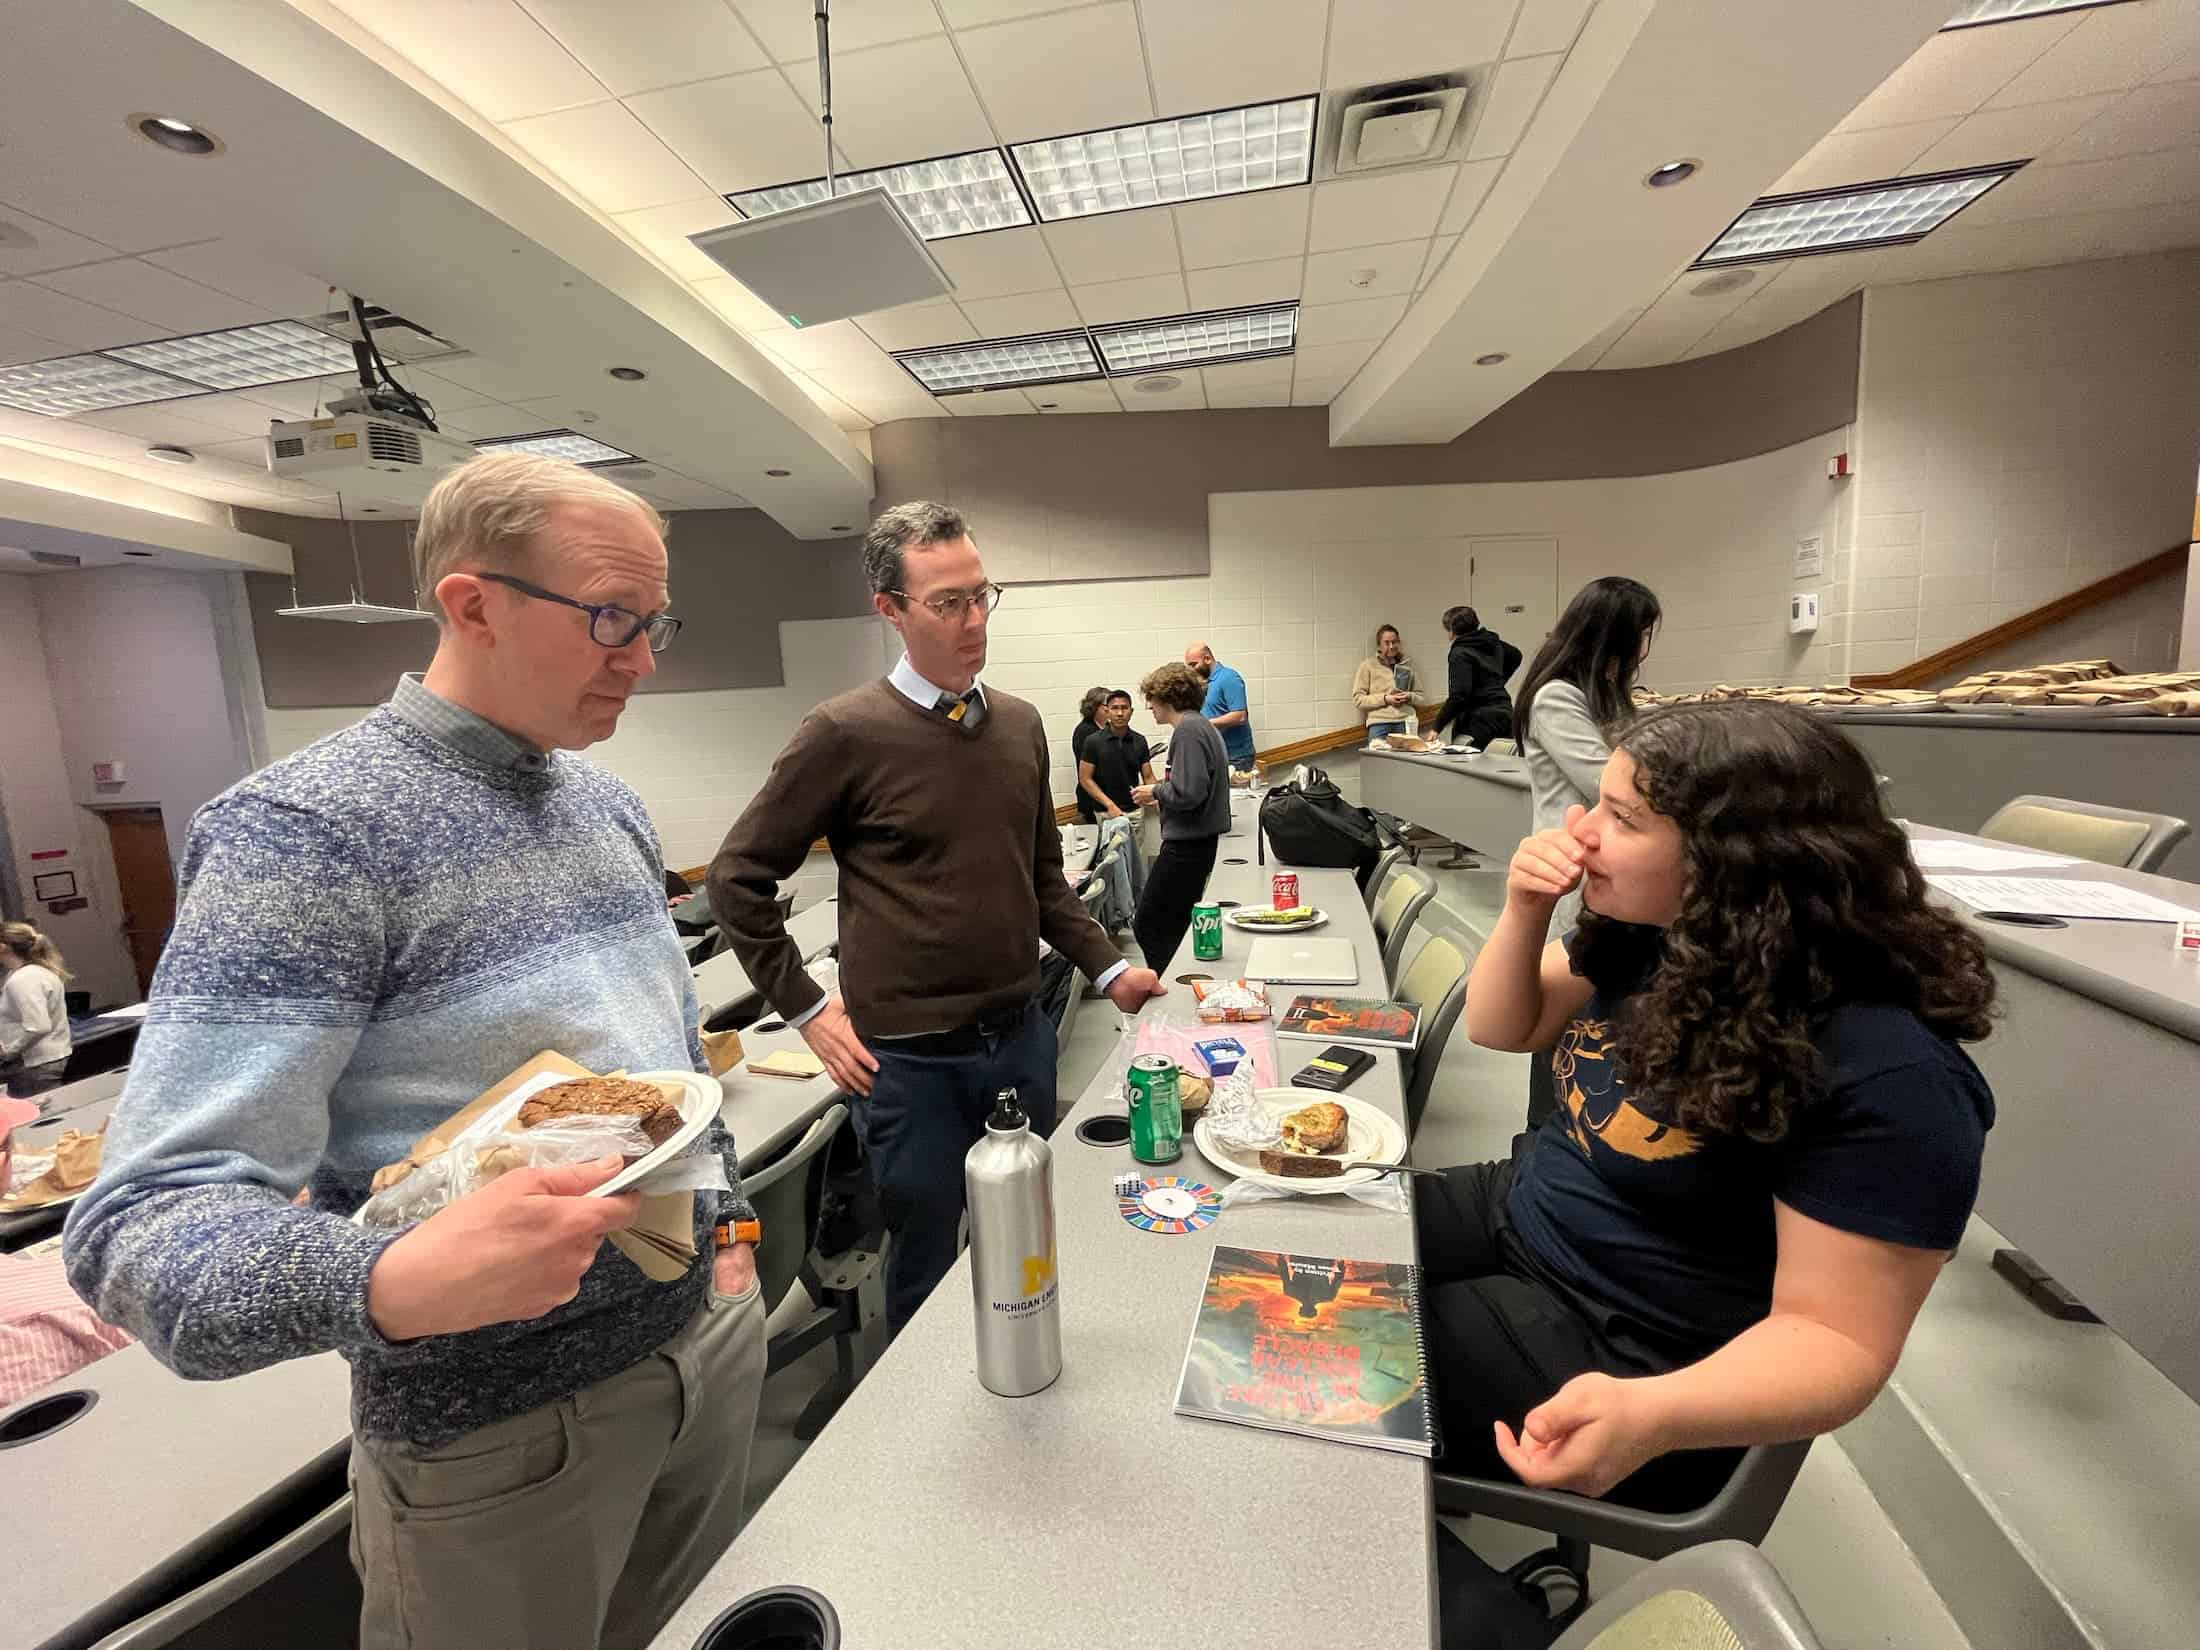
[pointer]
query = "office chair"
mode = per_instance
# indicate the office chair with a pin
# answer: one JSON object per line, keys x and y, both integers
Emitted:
{"x": 1436, "y": 979}
{"x": 1396, "y": 909}
{"x": 2125, "y": 837}
{"x": 1724, "y": 1595}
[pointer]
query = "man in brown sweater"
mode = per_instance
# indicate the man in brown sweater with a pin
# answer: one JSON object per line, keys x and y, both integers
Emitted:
{"x": 933, "y": 794}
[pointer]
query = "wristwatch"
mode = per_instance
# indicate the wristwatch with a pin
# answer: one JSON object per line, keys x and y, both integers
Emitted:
{"x": 728, "y": 1233}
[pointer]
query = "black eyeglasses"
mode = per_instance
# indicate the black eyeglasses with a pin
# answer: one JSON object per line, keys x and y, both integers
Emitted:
{"x": 953, "y": 607}
{"x": 608, "y": 626}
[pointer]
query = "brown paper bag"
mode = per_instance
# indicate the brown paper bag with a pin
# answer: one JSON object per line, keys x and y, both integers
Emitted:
{"x": 722, "y": 1049}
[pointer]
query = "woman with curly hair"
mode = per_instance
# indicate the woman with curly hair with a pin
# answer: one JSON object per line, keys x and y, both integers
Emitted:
{"x": 1767, "y": 1140}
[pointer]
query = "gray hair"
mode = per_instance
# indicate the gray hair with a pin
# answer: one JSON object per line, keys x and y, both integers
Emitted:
{"x": 917, "y": 523}
{"x": 486, "y": 512}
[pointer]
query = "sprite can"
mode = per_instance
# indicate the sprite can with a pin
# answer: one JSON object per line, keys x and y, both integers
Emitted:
{"x": 1207, "y": 932}
{"x": 1157, "y": 1111}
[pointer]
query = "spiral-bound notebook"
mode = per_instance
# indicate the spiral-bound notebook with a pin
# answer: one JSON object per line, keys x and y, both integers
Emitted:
{"x": 1302, "y": 1343}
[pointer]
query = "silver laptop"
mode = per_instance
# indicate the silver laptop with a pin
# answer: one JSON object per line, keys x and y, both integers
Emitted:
{"x": 1283, "y": 960}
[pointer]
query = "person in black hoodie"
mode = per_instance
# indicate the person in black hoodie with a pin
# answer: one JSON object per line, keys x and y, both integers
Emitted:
{"x": 1477, "y": 707}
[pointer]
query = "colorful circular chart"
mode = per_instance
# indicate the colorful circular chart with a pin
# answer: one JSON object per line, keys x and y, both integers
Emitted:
{"x": 1167, "y": 1203}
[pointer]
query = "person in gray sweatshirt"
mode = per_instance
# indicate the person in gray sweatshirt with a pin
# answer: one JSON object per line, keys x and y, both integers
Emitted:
{"x": 1195, "y": 810}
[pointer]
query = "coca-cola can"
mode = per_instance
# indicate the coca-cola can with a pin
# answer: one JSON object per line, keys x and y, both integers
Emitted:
{"x": 1285, "y": 890}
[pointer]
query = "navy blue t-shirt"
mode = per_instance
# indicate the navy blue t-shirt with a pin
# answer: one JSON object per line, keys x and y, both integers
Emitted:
{"x": 1667, "y": 1232}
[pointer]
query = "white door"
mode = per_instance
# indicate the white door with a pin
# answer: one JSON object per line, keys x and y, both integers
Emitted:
{"x": 1512, "y": 584}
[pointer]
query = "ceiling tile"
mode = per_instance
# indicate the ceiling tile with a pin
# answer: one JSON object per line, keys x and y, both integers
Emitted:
{"x": 497, "y": 419}
{"x": 638, "y": 45}
{"x": 789, "y": 32}
{"x": 743, "y": 131}
{"x": 997, "y": 263}
{"x": 168, "y": 421}
{"x": 2112, "y": 47}
{"x": 913, "y": 326}
{"x": 1265, "y": 282}
{"x": 70, "y": 322}
{"x": 834, "y": 344}
{"x": 1312, "y": 391}
{"x": 1076, "y": 398}
{"x": 305, "y": 397}
{"x": 132, "y": 287}
{"x": 495, "y": 378}
{"x": 1115, "y": 247}
{"x": 904, "y": 102}
{"x": 969, "y": 14}
{"x": 1330, "y": 276}
{"x": 2041, "y": 191}
{"x": 244, "y": 272}
{"x": 1375, "y": 40}
{"x": 1029, "y": 312}
{"x": 1243, "y": 228}
{"x": 738, "y": 304}
{"x": 51, "y": 246}
{"x": 987, "y": 403}
{"x": 1139, "y": 300}
{"x": 1663, "y": 332}
{"x": 1066, "y": 72}
{"x": 23, "y": 346}
{"x": 606, "y": 155}
{"x": 1509, "y": 103}
{"x": 1860, "y": 157}
{"x": 489, "y": 52}
{"x": 1249, "y": 384}
{"x": 1546, "y": 26}
{"x": 1330, "y": 360}
{"x": 1377, "y": 211}
{"x": 1467, "y": 195}
{"x": 887, "y": 409}
{"x": 236, "y": 416}
{"x": 1210, "y": 54}
{"x": 1187, "y": 395}
{"x": 859, "y": 382}
{"x": 2149, "y": 117}
{"x": 1955, "y": 72}
{"x": 1438, "y": 250}
{"x": 665, "y": 231}
{"x": 1365, "y": 319}
{"x": 1995, "y": 135}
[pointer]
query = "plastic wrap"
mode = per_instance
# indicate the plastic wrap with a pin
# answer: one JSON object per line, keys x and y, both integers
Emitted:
{"x": 1230, "y": 1002}
{"x": 1383, "y": 1192}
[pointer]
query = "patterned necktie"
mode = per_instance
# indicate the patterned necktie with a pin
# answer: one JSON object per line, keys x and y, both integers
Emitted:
{"x": 957, "y": 707}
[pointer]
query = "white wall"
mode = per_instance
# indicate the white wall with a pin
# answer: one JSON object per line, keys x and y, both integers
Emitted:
{"x": 696, "y": 758}
{"x": 2020, "y": 435}
{"x": 1299, "y": 580}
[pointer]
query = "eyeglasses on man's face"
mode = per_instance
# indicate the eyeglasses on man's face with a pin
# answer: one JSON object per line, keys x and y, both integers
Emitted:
{"x": 954, "y": 606}
{"x": 608, "y": 625}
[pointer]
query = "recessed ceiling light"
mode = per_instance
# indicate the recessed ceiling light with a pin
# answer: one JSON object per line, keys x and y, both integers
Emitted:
{"x": 953, "y": 195}
{"x": 1160, "y": 384}
{"x": 1135, "y": 347}
{"x": 779, "y": 472}
{"x": 1191, "y": 157}
{"x": 179, "y": 136}
{"x": 627, "y": 375}
{"x": 1049, "y": 406}
{"x": 1891, "y": 212}
{"x": 84, "y": 383}
{"x": 1727, "y": 280}
{"x": 2007, "y": 11}
{"x": 142, "y": 555}
{"x": 1493, "y": 359}
{"x": 275, "y": 352}
{"x": 565, "y": 444}
{"x": 840, "y": 529}
{"x": 1361, "y": 277}
{"x": 999, "y": 363}
{"x": 1672, "y": 172}
{"x": 172, "y": 455}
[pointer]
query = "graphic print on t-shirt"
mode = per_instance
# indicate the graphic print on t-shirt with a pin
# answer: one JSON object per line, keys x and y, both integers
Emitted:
{"x": 1594, "y": 1096}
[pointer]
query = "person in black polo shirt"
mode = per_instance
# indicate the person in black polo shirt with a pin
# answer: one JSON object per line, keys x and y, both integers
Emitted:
{"x": 1767, "y": 1139}
{"x": 1114, "y": 760}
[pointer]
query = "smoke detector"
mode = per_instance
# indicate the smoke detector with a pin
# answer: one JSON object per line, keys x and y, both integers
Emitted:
{"x": 1400, "y": 124}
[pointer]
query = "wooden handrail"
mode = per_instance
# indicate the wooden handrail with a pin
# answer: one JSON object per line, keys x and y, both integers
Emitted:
{"x": 1921, "y": 672}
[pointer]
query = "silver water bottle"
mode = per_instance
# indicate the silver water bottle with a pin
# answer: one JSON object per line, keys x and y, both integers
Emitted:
{"x": 1008, "y": 1179}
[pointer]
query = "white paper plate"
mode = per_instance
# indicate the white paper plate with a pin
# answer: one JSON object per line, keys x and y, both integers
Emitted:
{"x": 1369, "y": 1133}
{"x": 1315, "y": 921}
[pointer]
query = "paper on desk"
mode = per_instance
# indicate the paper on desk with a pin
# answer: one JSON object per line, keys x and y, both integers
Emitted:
{"x": 1942, "y": 854}
{"x": 136, "y": 1011}
{"x": 2061, "y": 897}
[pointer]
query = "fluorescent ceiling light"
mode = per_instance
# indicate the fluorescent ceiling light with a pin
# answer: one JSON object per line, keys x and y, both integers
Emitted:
{"x": 1194, "y": 340}
{"x": 1191, "y": 157}
{"x": 275, "y": 352}
{"x": 565, "y": 444}
{"x": 354, "y": 613}
{"x": 954, "y": 195}
{"x": 1047, "y": 358}
{"x": 2005, "y": 11}
{"x": 1891, "y": 212}
{"x": 84, "y": 383}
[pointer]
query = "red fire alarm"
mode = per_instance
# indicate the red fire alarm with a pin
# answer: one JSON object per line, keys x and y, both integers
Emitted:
{"x": 1837, "y": 467}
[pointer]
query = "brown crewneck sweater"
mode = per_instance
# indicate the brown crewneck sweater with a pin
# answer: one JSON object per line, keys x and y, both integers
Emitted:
{"x": 950, "y": 863}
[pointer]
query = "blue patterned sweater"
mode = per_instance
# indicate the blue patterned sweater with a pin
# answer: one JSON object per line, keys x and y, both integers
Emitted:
{"x": 372, "y": 932}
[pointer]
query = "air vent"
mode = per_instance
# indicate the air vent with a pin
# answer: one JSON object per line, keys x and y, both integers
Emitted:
{"x": 1400, "y": 124}
{"x": 392, "y": 443}
{"x": 290, "y": 446}
{"x": 54, "y": 558}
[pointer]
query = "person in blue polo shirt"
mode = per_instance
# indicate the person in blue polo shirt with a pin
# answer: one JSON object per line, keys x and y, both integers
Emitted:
{"x": 1226, "y": 710}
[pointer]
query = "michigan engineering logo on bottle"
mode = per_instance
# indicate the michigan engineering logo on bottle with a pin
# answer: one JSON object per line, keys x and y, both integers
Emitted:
{"x": 1039, "y": 1288}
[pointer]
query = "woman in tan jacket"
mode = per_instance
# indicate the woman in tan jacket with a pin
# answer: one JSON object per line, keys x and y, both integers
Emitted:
{"x": 1382, "y": 686}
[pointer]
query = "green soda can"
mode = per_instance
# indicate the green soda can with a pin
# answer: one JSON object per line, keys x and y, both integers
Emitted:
{"x": 1207, "y": 932}
{"x": 1157, "y": 1111}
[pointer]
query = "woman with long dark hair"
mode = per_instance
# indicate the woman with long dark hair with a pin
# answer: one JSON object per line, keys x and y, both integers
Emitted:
{"x": 1768, "y": 1140}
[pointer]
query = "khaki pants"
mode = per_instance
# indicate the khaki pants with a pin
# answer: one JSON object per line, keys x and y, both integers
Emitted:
{"x": 583, "y": 1523}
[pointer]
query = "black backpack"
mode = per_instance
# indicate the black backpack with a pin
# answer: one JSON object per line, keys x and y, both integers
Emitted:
{"x": 1311, "y": 823}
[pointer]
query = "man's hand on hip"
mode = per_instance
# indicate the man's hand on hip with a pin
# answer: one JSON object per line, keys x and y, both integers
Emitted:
{"x": 514, "y": 1250}
{"x": 832, "y": 1038}
{"x": 1131, "y": 989}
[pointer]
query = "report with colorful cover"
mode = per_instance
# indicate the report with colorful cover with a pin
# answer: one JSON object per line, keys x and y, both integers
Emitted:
{"x": 1323, "y": 1348}
{"x": 1364, "y": 1022}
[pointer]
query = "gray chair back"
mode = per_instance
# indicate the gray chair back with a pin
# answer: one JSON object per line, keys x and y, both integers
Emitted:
{"x": 1397, "y": 908}
{"x": 1436, "y": 979}
{"x": 2127, "y": 837}
{"x": 1502, "y": 747}
{"x": 788, "y": 1193}
{"x": 1724, "y": 1595}
{"x": 1385, "y": 863}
